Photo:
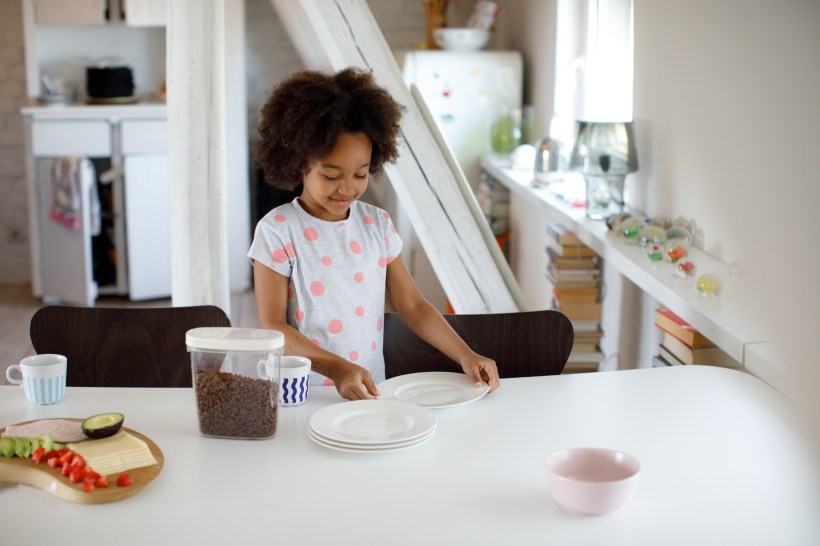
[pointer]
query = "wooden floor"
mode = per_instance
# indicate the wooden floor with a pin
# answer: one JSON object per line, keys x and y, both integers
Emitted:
{"x": 17, "y": 306}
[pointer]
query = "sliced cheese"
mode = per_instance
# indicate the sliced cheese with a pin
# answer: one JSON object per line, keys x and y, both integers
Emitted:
{"x": 114, "y": 454}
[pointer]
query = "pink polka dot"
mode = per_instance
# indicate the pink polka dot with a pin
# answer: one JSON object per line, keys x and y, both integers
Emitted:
{"x": 328, "y": 383}
{"x": 354, "y": 356}
{"x": 300, "y": 314}
{"x": 382, "y": 262}
{"x": 392, "y": 228}
{"x": 279, "y": 218}
{"x": 310, "y": 234}
{"x": 358, "y": 277}
{"x": 386, "y": 215}
{"x": 359, "y": 310}
{"x": 280, "y": 256}
{"x": 391, "y": 259}
{"x": 373, "y": 345}
{"x": 315, "y": 342}
{"x": 379, "y": 324}
{"x": 335, "y": 326}
{"x": 355, "y": 247}
{"x": 369, "y": 220}
{"x": 290, "y": 250}
{"x": 326, "y": 260}
{"x": 317, "y": 288}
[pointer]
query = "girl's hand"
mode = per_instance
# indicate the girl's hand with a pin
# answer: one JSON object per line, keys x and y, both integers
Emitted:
{"x": 355, "y": 383}
{"x": 481, "y": 369}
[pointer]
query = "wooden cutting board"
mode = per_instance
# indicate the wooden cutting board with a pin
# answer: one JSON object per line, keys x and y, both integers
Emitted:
{"x": 24, "y": 471}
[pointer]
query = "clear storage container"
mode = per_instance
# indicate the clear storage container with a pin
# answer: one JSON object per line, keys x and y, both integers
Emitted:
{"x": 236, "y": 379}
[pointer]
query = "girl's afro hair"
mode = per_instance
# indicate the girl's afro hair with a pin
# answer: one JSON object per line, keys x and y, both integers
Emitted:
{"x": 305, "y": 114}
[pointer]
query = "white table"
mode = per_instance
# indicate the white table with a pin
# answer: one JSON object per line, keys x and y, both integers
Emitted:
{"x": 723, "y": 463}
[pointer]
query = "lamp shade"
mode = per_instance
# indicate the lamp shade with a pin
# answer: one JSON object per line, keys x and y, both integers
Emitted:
{"x": 604, "y": 148}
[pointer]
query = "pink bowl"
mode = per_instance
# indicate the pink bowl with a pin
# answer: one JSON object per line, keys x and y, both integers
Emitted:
{"x": 594, "y": 481}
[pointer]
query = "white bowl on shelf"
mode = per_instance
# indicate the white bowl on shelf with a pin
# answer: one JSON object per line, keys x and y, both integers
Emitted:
{"x": 461, "y": 39}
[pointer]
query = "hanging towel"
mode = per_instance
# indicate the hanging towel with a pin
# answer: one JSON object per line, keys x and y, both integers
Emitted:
{"x": 70, "y": 176}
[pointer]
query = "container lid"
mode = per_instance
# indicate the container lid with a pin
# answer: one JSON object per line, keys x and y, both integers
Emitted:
{"x": 234, "y": 339}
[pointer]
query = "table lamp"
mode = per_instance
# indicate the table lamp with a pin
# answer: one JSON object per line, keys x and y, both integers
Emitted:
{"x": 604, "y": 152}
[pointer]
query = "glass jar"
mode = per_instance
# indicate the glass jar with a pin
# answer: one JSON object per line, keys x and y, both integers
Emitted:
{"x": 236, "y": 380}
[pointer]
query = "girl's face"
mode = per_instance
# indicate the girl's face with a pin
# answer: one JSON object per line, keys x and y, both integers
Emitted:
{"x": 334, "y": 182}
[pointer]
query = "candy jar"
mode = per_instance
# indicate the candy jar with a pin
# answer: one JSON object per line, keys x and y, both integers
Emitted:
{"x": 709, "y": 286}
{"x": 676, "y": 249}
{"x": 652, "y": 235}
{"x": 630, "y": 228}
{"x": 654, "y": 252}
{"x": 685, "y": 268}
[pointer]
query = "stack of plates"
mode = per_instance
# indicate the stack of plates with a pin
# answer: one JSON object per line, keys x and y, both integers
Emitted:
{"x": 372, "y": 426}
{"x": 433, "y": 389}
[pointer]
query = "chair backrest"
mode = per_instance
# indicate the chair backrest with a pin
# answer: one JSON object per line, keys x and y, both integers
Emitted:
{"x": 122, "y": 347}
{"x": 522, "y": 344}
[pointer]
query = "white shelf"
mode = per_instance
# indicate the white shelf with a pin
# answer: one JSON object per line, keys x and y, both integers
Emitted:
{"x": 722, "y": 319}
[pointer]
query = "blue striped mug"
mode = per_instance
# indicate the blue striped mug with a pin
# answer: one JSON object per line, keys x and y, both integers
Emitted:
{"x": 41, "y": 376}
{"x": 294, "y": 379}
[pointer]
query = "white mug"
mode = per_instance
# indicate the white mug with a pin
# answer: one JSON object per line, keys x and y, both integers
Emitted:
{"x": 294, "y": 379}
{"x": 41, "y": 376}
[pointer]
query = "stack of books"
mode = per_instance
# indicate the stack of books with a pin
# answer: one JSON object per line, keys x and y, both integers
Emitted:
{"x": 574, "y": 271}
{"x": 683, "y": 345}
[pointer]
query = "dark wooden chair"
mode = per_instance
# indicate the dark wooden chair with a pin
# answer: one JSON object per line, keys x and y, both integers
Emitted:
{"x": 522, "y": 344}
{"x": 122, "y": 347}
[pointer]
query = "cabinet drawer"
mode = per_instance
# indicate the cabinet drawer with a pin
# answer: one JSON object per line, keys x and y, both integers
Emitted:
{"x": 75, "y": 138}
{"x": 145, "y": 137}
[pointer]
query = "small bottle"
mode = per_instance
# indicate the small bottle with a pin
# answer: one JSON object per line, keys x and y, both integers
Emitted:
{"x": 505, "y": 134}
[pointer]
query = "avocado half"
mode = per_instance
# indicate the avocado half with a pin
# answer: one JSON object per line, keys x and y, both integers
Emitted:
{"x": 103, "y": 425}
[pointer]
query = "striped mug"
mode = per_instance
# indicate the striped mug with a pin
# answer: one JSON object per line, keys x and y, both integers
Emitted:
{"x": 42, "y": 377}
{"x": 294, "y": 376}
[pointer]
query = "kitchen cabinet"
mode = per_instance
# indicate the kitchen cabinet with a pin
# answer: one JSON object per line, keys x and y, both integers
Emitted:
{"x": 128, "y": 147}
{"x": 99, "y": 12}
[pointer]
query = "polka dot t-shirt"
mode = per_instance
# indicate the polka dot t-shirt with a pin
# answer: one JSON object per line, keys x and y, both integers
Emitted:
{"x": 337, "y": 273}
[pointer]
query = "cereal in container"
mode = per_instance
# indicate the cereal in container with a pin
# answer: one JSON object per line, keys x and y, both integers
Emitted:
{"x": 236, "y": 380}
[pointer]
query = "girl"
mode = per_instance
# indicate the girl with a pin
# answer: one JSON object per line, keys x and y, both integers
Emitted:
{"x": 322, "y": 263}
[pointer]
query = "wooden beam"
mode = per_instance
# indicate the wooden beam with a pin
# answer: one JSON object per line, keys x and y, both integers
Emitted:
{"x": 334, "y": 34}
{"x": 197, "y": 152}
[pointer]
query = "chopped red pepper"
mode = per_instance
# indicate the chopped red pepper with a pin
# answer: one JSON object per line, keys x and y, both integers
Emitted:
{"x": 124, "y": 480}
{"x": 88, "y": 486}
{"x": 78, "y": 461}
{"x": 38, "y": 454}
{"x": 76, "y": 475}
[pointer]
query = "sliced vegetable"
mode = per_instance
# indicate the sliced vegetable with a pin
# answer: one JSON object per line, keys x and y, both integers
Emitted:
{"x": 7, "y": 446}
{"x": 38, "y": 455}
{"x": 88, "y": 486}
{"x": 76, "y": 475}
{"x": 102, "y": 481}
{"x": 103, "y": 425}
{"x": 124, "y": 480}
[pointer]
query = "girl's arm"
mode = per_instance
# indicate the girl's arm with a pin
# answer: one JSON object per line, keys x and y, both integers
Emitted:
{"x": 271, "y": 289}
{"x": 426, "y": 321}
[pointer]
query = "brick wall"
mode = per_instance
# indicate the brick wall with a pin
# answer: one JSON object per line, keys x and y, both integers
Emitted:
{"x": 14, "y": 247}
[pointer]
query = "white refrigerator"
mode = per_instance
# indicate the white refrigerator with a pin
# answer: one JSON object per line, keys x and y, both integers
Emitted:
{"x": 465, "y": 93}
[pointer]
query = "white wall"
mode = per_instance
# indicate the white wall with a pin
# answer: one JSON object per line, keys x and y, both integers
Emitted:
{"x": 727, "y": 114}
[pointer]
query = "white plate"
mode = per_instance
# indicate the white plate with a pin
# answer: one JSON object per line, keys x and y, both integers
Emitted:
{"x": 433, "y": 389}
{"x": 372, "y": 422}
{"x": 353, "y": 448}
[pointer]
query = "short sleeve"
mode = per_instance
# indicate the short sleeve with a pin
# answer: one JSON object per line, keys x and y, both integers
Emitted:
{"x": 393, "y": 241}
{"x": 272, "y": 247}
